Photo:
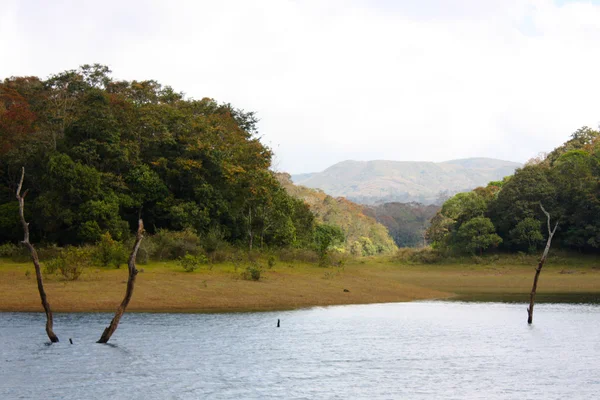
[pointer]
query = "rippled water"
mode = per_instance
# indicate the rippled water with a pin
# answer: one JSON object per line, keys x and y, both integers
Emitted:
{"x": 419, "y": 350}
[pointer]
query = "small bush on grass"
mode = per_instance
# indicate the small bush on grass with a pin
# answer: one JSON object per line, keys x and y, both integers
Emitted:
{"x": 171, "y": 245}
{"x": 252, "y": 273}
{"x": 16, "y": 253}
{"x": 71, "y": 262}
{"x": 191, "y": 263}
{"x": 221, "y": 255}
{"x": 477, "y": 260}
{"x": 49, "y": 251}
{"x": 425, "y": 255}
{"x": 51, "y": 266}
{"x": 8, "y": 250}
{"x": 338, "y": 259}
{"x": 145, "y": 252}
{"x": 109, "y": 252}
{"x": 214, "y": 244}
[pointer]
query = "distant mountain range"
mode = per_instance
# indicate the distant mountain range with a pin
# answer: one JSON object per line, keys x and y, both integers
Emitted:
{"x": 373, "y": 182}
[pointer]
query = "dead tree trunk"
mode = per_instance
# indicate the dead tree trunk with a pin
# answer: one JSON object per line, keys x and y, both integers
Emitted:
{"x": 540, "y": 265}
{"x": 36, "y": 260}
{"x": 130, "y": 284}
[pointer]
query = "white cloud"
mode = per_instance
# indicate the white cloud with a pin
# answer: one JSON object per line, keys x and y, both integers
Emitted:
{"x": 343, "y": 79}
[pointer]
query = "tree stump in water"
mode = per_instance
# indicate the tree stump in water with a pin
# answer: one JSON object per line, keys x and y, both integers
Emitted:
{"x": 36, "y": 261}
{"x": 539, "y": 267}
{"x": 130, "y": 285}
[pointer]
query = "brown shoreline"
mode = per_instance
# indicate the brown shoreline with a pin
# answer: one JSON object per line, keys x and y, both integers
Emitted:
{"x": 164, "y": 287}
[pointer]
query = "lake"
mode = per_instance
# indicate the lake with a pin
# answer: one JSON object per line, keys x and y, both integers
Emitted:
{"x": 417, "y": 350}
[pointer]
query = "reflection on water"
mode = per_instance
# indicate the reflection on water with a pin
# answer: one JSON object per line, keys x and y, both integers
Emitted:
{"x": 573, "y": 298}
{"x": 419, "y": 350}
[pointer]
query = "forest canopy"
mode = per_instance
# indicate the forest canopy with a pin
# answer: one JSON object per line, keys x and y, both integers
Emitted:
{"x": 99, "y": 153}
{"x": 507, "y": 213}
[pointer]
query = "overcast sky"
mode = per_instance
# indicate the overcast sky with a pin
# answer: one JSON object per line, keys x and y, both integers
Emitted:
{"x": 426, "y": 80}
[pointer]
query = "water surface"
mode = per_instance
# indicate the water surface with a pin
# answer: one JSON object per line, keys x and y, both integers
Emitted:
{"x": 418, "y": 350}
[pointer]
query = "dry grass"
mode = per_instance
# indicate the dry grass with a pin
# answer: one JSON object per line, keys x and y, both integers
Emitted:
{"x": 164, "y": 287}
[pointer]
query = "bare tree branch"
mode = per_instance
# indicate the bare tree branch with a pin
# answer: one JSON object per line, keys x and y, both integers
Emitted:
{"x": 130, "y": 284}
{"x": 540, "y": 265}
{"x": 35, "y": 260}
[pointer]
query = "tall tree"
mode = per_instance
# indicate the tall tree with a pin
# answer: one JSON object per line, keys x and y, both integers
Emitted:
{"x": 478, "y": 234}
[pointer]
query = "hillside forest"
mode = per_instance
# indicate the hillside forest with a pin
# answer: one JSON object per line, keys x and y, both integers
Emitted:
{"x": 507, "y": 214}
{"x": 100, "y": 153}
{"x": 365, "y": 236}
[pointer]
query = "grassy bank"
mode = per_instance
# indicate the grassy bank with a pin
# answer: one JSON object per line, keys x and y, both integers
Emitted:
{"x": 165, "y": 287}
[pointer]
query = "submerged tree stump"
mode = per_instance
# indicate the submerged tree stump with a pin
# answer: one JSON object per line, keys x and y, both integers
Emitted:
{"x": 540, "y": 265}
{"x": 130, "y": 285}
{"x": 36, "y": 261}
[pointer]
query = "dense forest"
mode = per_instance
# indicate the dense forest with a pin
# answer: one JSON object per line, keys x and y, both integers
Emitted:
{"x": 99, "y": 153}
{"x": 508, "y": 214}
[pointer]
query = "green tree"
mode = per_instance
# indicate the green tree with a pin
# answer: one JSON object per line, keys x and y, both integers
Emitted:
{"x": 520, "y": 197}
{"x": 477, "y": 235}
{"x": 527, "y": 235}
{"x": 457, "y": 210}
{"x": 439, "y": 231}
{"x": 463, "y": 207}
{"x": 326, "y": 237}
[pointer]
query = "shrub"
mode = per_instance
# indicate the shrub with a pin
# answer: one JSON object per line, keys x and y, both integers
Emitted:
{"x": 172, "y": 245}
{"x": 403, "y": 254}
{"x": 271, "y": 261}
{"x": 213, "y": 240}
{"x": 477, "y": 260}
{"x": 306, "y": 255}
{"x": 286, "y": 255}
{"x": 252, "y": 273}
{"x": 48, "y": 251}
{"x": 8, "y": 250}
{"x": 110, "y": 252}
{"x": 70, "y": 263}
{"x": 221, "y": 255}
{"x": 338, "y": 259}
{"x": 190, "y": 262}
{"x": 146, "y": 250}
{"x": 324, "y": 260}
{"x": 425, "y": 255}
{"x": 51, "y": 266}
{"x": 15, "y": 252}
